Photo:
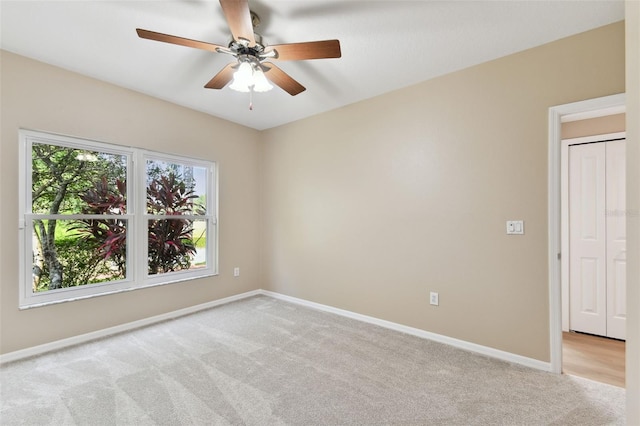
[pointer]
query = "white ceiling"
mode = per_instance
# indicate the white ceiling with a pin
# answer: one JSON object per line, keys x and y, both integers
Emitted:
{"x": 386, "y": 45}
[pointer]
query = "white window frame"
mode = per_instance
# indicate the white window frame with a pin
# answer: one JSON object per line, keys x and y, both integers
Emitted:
{"x": 209, "y": 217}
{"x": 137, "y": 246}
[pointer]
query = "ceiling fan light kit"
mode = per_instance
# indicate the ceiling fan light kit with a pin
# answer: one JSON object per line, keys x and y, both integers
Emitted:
{"x": 250, "y": 73}
{"x": 249, "y": 76}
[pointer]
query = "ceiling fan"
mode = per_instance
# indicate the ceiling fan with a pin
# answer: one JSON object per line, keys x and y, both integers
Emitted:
{"x": 251, "y": 71}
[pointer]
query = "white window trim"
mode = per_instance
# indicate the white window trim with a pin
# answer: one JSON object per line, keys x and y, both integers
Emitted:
{"x": 137, "y": 273}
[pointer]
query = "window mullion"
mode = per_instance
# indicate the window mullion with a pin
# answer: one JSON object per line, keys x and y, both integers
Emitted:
{"x": 140, "y": 191}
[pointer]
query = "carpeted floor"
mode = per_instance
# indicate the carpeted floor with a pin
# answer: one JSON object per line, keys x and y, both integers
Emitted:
{"x": 261, "y": 361}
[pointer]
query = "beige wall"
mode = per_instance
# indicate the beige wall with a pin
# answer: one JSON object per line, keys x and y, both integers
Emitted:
{"x": 370, "y": 207}
{"x": 594, "y": 126}
{"x": 632, "y": 21}
{"x": 42, "y": 97}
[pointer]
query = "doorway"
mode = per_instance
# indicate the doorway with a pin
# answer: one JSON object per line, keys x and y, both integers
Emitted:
{"x": 599, "y": 107}
{"x": 593, "y": 260}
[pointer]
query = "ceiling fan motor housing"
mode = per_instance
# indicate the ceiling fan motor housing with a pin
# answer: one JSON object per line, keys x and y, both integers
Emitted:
{"x": 241, "y": 47}
{"x": 238, "y": 48}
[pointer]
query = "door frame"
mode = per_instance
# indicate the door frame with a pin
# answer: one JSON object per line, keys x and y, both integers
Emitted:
{"x": 592, "y": 108}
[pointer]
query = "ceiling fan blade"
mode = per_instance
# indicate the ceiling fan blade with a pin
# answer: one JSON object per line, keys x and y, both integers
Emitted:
{"x": 222, "y": 78}
{"x": 238, "y": 18}
{"x": 166, "y": 38}
{"x": 282, "y": 79}
{"x": 307, "y": 50}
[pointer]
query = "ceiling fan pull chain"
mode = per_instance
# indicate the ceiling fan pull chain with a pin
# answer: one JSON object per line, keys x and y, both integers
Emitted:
{"x": 251, "y": 98}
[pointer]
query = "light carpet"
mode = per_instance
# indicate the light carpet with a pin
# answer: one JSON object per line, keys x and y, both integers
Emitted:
{"x": 262, "y": 361}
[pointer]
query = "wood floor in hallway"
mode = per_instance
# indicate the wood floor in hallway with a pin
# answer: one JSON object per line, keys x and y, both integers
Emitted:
{"x": 593, "y": 357}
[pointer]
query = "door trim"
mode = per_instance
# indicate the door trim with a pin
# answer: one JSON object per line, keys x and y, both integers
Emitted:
{"x": 599, "y": 107}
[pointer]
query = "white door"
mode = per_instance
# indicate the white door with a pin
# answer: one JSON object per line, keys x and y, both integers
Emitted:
{"x": 597, "y": 239}
{"x": 587, "y": 239}
{"x": 616, "y": 240}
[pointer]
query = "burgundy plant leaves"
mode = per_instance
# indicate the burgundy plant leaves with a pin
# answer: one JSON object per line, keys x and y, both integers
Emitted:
{"x": 170, "y": 241}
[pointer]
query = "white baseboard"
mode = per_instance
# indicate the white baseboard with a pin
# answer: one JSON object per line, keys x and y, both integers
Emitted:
{"x": 99, "y": 334}
{"x": 462, "y": 344}
{"x": 87, "y": 337}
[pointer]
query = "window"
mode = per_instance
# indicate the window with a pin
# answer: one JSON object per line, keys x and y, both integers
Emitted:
{"x": 98, "y": 218}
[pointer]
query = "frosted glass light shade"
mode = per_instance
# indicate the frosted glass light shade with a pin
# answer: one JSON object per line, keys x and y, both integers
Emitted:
{"x": 261, "y": 84}
{"x": 243, "y": 78}
{"x": 239, "y": 87}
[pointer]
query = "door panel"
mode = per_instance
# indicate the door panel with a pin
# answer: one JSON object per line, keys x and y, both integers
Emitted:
{"x": 616, "y": 239}
{"x": 587, "y": 239}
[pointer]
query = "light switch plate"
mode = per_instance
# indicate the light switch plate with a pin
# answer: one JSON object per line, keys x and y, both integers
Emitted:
{"x": 433, "y": 298}
{"x": 515, "y": 227}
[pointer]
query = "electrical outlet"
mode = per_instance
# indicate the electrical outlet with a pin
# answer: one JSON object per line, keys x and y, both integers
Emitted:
{"x": 433, "y": 298}
{"x": 236, "y": 272}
